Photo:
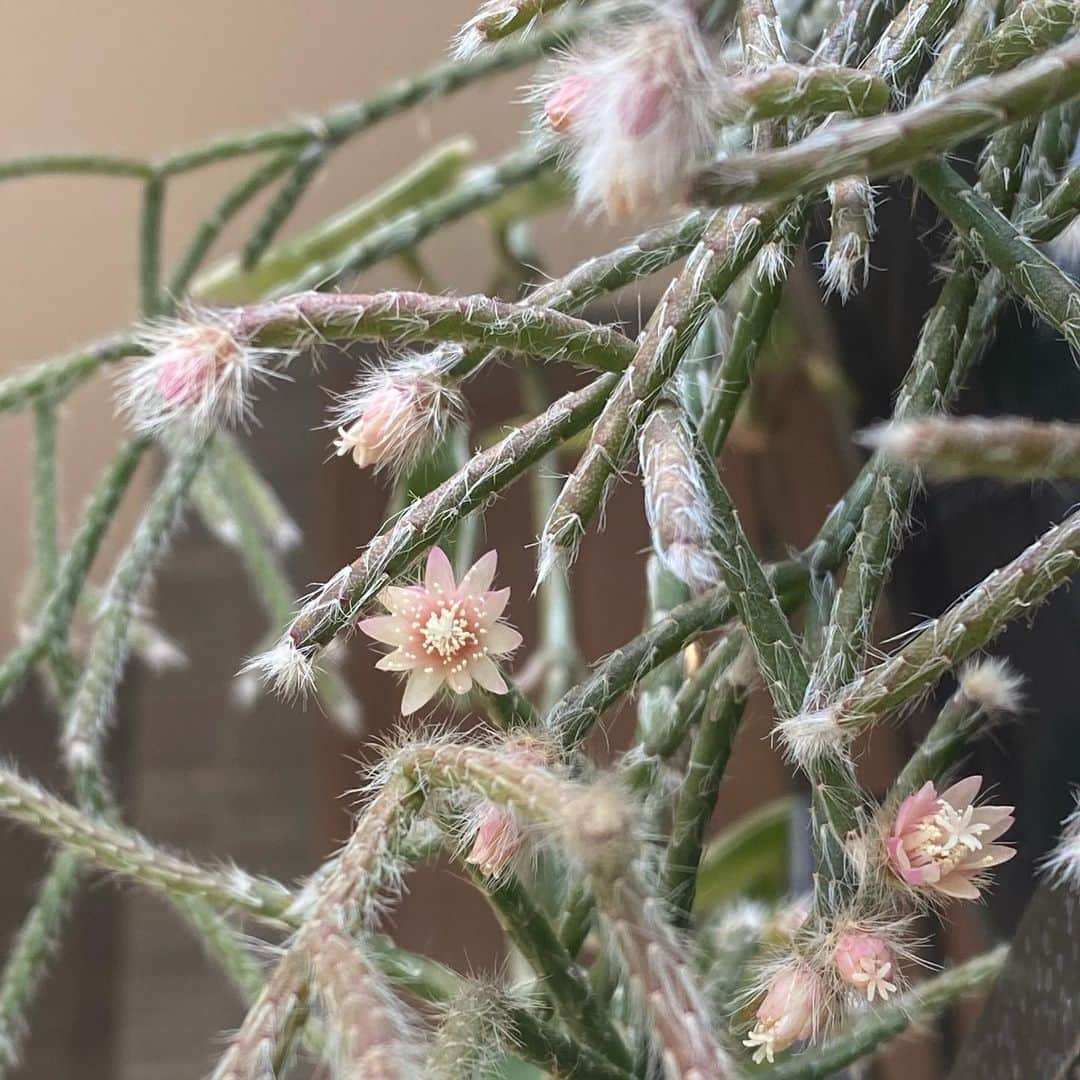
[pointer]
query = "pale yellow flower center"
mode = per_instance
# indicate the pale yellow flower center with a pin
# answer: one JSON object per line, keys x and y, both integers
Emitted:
{"x": 447, "y": 632}
{"x": 947, "y": 835}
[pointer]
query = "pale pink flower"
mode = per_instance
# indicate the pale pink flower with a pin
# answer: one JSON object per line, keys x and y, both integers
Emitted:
{"x": 867, "y": 964}
{"x": 445, "y": 632}
{"x": 789, "y": 1013}
{"x": 396, "y": 413}
{"x": 198, "y": 373}
{"x": 945, "y": 842}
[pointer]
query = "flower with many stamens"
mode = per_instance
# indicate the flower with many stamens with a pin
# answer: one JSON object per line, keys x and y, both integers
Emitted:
{"x": 444, "y": 632}
{"x": 867, "y": 964}
{"x": 789, "y": 1013}
{"x": 945, "y": 842}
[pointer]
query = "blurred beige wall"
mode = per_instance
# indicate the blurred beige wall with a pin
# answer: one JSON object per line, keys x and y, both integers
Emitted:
{"x": 147, "y": 76}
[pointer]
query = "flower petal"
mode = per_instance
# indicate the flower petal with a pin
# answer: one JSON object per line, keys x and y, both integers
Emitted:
{"x": 958, "y": 885}
{"x": 398, "y": 660}
{"x": 459, "y": 681}
{"x": 480, "y": 576}
{"x": 439, "y": 574}
{"x": 994, "y": 855}
{"x": 962, "y": 794}
{"x": 502, "y": 639}
{"x": 420, "y": 689}
{"x": 915, "y": 807}
{"x": 398, "y": 600}
{"x": 389, "y": 629}
{"x": 494, "y": 604}
{"x": 487, "y": 675}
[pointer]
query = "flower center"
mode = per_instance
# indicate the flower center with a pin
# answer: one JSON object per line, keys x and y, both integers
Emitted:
{"x": 447, "y": 632}
{"x": 948, "y": 834}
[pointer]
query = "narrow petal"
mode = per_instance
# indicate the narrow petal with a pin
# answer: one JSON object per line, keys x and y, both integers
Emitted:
{"x": 389, "y": 629}
{"x": 958, "y": 886}
{"x": 398, "y": 660}
{"x": 420, "y": 689}
{"x": 439, "y": 575}
{"x": 994, "y": 855}
{"x": 963, "y": 792}
{"x": 398, "y": 600}
{"x": 998, "y": 826}
{"x": 502, "y": 639}
{"x": 915, "y": 807}
{"x": 479, "y": 578}
{"x": 487, "y": 675}
{"x": 459, "y": 681}
{"x": 494, "y": 604}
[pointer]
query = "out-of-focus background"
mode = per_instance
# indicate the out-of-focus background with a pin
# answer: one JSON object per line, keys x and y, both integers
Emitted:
{"x": 132, "y": 997}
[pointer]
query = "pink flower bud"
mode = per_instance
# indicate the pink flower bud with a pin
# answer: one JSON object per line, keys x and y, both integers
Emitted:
{"x": 867, "y": 964}
{"x": 368, "y": 439}
{"x": 397, "y": 413}
{"x": 564, "y": 105}
{"x": 945, "y": 843}
{"x": 498, "y": 840}
{"x": 644, "y": 108}
{"x": 789, "y": 1012}
{"x": 198, "y": 373}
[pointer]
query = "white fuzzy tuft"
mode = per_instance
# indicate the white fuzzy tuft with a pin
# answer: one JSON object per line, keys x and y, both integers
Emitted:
{"x": 289, "y": 670}
{"x": 198, "y": 376}
{"x": 810, "y": 737}
{"x": 993, "y": 686}
{"x": 898, "y": 440}
{"x": 1062, "y": 865}
{"x": 636, "y": 110}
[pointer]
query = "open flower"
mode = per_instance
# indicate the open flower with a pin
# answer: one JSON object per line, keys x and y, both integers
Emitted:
{"x": 867, "y": 964}
{"x": 445, "y": 632}
{"x": 789, "y": 1012}
{"x": 945, "y": 842}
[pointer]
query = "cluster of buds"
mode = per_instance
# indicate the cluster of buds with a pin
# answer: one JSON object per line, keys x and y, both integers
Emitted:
{"x": 635, "y": 110}
{"x": 444, "y": 632}
{"x": 197, "y": 375}
{"x": 397, "y": 413}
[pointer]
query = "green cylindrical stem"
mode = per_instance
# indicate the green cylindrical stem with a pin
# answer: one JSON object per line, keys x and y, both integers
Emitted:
{"x": 409, "y": 316}
{"x": 895, "y": 142}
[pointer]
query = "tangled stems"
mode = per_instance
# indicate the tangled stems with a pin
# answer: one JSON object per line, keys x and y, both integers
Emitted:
{"x": 896, "y": 141}
{"x": 1041, "y": 283}
{"x": 400, "y": 543}
{"x": 1015, "y": 588}
{"x": 729, "y": 243}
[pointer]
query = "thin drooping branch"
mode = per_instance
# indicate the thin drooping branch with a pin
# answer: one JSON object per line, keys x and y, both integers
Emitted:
{"x": 305, "y": 318}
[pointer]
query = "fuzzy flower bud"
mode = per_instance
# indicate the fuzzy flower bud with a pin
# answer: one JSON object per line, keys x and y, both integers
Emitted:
{"x": 789, "y": 1012}
{"x": 198, "y": 374}
{"x": 565, "y": 104}
{"x": 498, "y": 832}
{"x": 945, "y": 843}
{"x": 635, "y": 109}
{"x": 395, "y": 414}
{"x": 867, "y": 964}
{"x": 445, "y": 632}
